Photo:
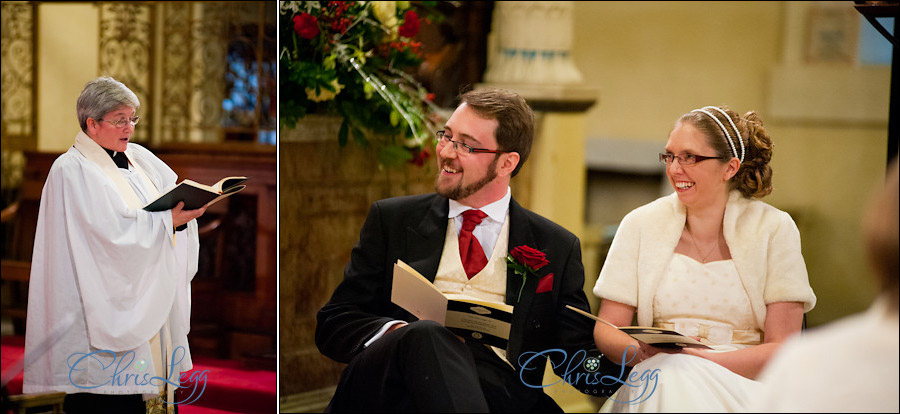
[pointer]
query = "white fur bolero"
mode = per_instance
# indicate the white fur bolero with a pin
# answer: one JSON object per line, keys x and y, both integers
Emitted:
{"x": 764, "y": 244}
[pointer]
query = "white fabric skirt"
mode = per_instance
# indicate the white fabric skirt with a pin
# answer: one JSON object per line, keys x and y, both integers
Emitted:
{"x": 682, "y": 383}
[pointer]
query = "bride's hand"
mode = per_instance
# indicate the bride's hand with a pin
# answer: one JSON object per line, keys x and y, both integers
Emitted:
{"x": 647, "y": 351}
{"x": 696, "y": 352}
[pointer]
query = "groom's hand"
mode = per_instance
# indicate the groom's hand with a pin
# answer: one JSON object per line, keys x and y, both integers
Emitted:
{"x": 400, "y": 325}
{"x": 395, "y": 327}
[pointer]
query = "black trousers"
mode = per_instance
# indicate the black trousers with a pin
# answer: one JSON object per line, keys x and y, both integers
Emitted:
{"x": 88, "y": 403}
{"x": 423, "y": 367}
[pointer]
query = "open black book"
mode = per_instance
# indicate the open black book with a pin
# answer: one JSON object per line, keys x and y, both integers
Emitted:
{"x": 196, "y": 195}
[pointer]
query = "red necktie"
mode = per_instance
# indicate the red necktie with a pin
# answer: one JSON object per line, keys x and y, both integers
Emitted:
{"x": 470, "y": 250}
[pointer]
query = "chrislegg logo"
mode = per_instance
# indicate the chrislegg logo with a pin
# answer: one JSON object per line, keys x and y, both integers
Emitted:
{"x": 118, "y": 367}
{"x": 576, "y": 376}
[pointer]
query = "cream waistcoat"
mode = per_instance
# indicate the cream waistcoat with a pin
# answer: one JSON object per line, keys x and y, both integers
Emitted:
{"x": 489, "y": 284}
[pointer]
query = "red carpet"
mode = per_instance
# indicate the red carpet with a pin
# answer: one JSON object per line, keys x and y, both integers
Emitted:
{"x": 230, "y": 387}
{"x": 12, "y": 348}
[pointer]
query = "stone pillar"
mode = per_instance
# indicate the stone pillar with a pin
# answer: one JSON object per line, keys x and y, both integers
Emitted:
{"x": 532, "y": 42}
{"x": 325, "y": 196}
{"x": 553, "y": 182}
{"x": 531, "y": 55}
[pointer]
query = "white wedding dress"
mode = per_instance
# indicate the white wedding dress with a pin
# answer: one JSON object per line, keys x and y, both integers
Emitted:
{"x": 695, "y": 299}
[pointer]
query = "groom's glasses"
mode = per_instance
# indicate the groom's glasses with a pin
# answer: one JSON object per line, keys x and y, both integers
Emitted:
{"x": 444, "y": 139}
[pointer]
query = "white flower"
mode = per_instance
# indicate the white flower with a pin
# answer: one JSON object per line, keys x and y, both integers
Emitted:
{"x": 293, "y": 6}
{"x": 386, "y": 13}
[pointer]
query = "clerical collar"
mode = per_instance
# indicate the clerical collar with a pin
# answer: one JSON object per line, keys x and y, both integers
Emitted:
{"x": 118, "y": 157}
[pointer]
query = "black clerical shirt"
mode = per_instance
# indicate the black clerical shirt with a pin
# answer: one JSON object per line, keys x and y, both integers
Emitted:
{"x": 118, "y": 157}
{"x": 121, "y": 161}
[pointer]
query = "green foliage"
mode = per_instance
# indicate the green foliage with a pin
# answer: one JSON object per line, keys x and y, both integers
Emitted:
{"x": 349, "y": 59}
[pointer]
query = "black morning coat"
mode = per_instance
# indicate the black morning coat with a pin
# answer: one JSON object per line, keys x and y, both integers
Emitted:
{"x": 413, "y": 229}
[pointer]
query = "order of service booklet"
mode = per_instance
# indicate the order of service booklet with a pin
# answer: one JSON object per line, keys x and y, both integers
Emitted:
{"x": 196, "y": 195}
{"x": 471, "y": 319}
{"x": 663, "y": 338}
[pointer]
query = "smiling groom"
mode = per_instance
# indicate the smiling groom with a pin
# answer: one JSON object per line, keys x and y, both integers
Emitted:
{"x": 459, "y": 238}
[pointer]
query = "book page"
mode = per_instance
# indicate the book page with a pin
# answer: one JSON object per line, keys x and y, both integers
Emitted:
{"x": 193, "y": 183}
{"x": 468, "y": 299}
{"x": 483, "y": 321}
{"x": 233, "y": 189}
{"x": 649, "y": 334}
{"x": 413, "y": 292}
{"x": 226, "y": 184}
{"x": 225, "y": 194}
{"x": 658, "y": 337}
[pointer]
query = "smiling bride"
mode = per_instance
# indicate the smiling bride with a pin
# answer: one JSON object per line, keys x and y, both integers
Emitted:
{"x": 710, "y": 261}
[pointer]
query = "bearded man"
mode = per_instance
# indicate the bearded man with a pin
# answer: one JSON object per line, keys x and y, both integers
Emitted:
{"x": 459, "y": 238}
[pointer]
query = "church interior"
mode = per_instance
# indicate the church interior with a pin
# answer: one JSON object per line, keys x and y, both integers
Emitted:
{"x": 606, "y": 79}
{"x": 824, "y": 96}
{"x": 205, "y": 75}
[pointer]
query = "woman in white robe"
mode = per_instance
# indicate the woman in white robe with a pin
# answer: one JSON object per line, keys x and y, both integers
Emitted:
{"x": 109, "y": 294}
{"x": 709, "y": 261}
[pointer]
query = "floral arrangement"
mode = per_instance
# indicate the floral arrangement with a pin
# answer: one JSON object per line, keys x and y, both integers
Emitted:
{"x": 524, "y": 261}
{"x": 353, "y": 59}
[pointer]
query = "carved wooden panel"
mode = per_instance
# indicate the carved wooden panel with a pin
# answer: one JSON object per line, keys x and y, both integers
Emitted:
{"x": 126, "y": 52}
{"x": 17, "y": 75}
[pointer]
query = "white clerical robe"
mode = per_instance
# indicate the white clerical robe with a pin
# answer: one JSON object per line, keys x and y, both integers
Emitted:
{"x": 107, "y": 277}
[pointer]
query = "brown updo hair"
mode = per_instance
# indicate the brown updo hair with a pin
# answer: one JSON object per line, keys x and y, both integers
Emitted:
{"x": 754, "y": 177}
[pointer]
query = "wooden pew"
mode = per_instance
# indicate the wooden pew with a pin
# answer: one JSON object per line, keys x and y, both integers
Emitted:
{"x": 15, "y": 266}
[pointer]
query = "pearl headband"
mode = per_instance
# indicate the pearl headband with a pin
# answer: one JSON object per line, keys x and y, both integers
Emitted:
{"x": 727, "y": 135}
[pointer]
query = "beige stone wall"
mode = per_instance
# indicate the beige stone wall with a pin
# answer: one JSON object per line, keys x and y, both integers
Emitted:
{"x": 653, "y": 61}
{"x": 68, "y": 58}
{"x": 325, "y": 194}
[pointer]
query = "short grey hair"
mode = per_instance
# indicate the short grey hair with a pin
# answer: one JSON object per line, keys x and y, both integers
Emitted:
{"x": 102, "y": 96}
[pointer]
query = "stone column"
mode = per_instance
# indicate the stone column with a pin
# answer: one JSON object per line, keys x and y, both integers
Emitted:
{"x": 530, "y": 54}
{"x": 326, "y": 192}
{"x": 531, "y": 43}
